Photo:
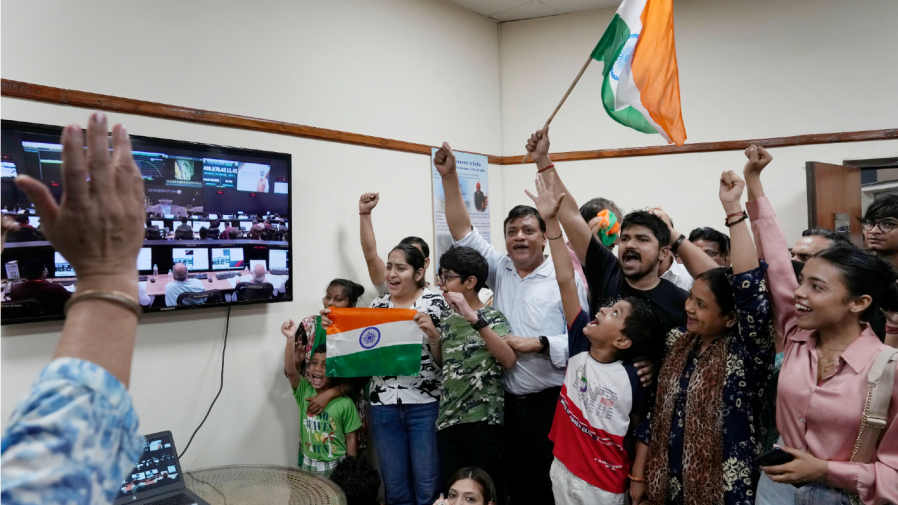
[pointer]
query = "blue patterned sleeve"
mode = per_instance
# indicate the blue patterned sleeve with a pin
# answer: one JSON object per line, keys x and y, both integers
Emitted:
{"x": 753, "y": 310}
{"x": 71, "y": 440}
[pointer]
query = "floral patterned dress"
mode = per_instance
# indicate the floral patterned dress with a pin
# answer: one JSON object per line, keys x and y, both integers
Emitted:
{"x": 749, "y": 355}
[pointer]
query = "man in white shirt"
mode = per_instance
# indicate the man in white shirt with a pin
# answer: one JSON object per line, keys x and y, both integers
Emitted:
{"x": 526, "y": 292}
{"x": 180, "y": 284}
{"x": 259, "y": 276}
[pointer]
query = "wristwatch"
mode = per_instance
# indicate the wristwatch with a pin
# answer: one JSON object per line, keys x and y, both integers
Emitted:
{"x": 676, "y": 245}
{"x": 481, "y": 323}
{"x": 545, "y": 343}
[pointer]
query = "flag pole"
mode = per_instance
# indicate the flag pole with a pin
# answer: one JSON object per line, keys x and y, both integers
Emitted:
{"x": 577, "y": 79}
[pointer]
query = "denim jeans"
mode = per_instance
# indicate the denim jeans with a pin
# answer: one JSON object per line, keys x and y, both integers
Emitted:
{"x": 774, "y": 493}
{"x": 405, "y": 437}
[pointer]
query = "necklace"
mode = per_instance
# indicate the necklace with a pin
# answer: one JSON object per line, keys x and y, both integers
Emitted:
{"x": 827, "y": 363}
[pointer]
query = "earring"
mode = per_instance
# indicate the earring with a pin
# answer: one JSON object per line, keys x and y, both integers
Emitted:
{"x": 730, "y": 323}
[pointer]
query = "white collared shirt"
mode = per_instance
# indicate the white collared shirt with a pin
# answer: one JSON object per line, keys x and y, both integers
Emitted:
{"x": 533, "y": 308}
{"x": 678, "y": 275}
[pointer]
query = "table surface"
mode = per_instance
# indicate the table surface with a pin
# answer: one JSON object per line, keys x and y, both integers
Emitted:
{"x": 262, "y": 485}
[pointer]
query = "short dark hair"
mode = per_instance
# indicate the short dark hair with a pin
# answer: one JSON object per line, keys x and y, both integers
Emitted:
{"x": 351, "y": 290}
{"x": 654, "y": 223}
{"x": 414, "y": 257}
{"x": 479, "y": 476}
{"x": 31, "y": 269}
{"x": 720, "y": 286}
{"x": 320, "y": 348}
{"x": 419, "y": 242}
{"x": 591, "y": 209}
{"x": 520, "y": 211}
{"x": 882, "y": 207}
{"x": 183, "y": 220}
{"x": 359, "y": 481}
{"x": 864, "y": 274}
{"x": 711, "y": 235}
{"x": 640, "y": 327}
{"x": 204, "y": 232}
{"x": 466, "y": 262}
{"x": 214, "y": 223}
{"x": 832, "y": 235}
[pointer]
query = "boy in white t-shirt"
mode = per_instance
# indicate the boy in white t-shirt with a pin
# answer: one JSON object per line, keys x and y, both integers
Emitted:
{"x": 601, "y": 388}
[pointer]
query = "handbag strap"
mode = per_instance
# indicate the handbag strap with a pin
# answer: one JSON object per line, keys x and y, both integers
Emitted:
{"x": 881, "y": 382}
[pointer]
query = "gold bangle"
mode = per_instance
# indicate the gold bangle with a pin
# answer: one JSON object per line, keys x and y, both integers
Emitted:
{"x": 123, "y": 299}
{"x": 636, "y": 479}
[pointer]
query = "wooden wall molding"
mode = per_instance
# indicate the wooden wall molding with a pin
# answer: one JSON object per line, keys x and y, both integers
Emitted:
{"x": 60, "y": 96}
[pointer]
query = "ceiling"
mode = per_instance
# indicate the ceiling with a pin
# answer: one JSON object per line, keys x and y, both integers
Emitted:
{"x": 515, "y": 10}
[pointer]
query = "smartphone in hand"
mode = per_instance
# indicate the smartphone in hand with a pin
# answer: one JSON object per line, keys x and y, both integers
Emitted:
{"x": 774, "y": 457}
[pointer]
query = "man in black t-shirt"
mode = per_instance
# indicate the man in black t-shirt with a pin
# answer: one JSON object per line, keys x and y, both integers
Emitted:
{"x": 644, "y": 244}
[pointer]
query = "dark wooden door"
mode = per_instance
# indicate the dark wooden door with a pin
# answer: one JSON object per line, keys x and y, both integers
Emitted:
{"x": 834, "y": 193}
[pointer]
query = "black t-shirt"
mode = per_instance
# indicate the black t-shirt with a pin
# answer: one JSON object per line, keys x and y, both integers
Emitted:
{"x": 607, "y": 286}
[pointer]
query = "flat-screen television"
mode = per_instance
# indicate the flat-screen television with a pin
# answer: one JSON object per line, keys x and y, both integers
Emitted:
{"x": 229, "y": 187}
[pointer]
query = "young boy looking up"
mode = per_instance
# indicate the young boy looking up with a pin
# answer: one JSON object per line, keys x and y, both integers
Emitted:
{"x": 469, "y": 342}
{"x": 601, "y": 390}
{"x": 326, "y": 438}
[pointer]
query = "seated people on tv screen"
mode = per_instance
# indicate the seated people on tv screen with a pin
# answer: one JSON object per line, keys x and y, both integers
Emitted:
{"x": 181, "y": 284}
{"x": 185, "y": 231}
{"x": 36, "y": 286}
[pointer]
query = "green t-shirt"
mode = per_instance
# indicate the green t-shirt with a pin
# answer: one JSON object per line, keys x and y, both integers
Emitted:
{"x": 323, "y": 437}
{"x": 472, "y": 378}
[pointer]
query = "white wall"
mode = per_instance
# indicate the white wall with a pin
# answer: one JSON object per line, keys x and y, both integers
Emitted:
{"x": 748, "y": 69}
{"x": 416, "y": 70}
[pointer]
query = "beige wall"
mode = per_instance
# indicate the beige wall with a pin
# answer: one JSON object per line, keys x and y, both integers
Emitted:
{"x": 748, "y": 69}
{"x": 415, "y": 70}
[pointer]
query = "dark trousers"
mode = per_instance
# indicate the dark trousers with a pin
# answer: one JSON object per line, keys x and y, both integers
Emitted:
{"x": 470, "y": 444}
{"x": 527, "y": 451}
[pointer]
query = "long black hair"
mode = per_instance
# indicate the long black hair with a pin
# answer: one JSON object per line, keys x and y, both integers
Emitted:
{"x": 414, "y": 257}
{"x": 720, "y": 286}
{"x": 351, "y": 290}
{"x": 864, "y": 274}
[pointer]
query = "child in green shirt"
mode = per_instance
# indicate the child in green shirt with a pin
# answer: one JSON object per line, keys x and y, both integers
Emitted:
{"x": 325, "y": 438}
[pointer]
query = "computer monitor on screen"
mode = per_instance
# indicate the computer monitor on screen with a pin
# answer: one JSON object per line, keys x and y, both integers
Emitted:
{"x": 253, "y": 263}
{"x": 34, "y": 221}
{"x": 196, "y": 259}
{"x": 194, "y": 217}
{"x": 169, "y": 216}
{"x": 63, "y": 267}
{"x": 199, "y": 224}
{"x": 227, "y": 258}
{"x": 228, "y": 216}
{"x": 277, "y": 259}
{"x": 213, "y": 216}
{"x": 145, "y": 259}
{"x": 158, "y": 224}
{"x": 246, "y": 225}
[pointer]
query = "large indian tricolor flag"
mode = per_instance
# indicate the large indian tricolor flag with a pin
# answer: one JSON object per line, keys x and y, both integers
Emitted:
{"x": 641, "y": 88}
{"x": 369, "y": 342}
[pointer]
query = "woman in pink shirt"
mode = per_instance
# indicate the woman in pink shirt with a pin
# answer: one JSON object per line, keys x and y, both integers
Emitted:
{"x": 829, "y": 350}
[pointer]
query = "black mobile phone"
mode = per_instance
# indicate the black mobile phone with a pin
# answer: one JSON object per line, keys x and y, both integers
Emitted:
{"x": 774, "y": 457}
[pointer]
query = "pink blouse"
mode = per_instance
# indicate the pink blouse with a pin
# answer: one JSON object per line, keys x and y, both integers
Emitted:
{"x": 823, "y": 419}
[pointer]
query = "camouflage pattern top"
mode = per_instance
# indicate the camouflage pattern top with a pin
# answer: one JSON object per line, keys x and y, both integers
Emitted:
{"x": 472, "y": 378}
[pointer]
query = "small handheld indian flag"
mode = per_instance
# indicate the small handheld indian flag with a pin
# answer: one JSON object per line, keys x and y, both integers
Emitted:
{"x": 369, "y": 342}
{"x": 641, "y": 88}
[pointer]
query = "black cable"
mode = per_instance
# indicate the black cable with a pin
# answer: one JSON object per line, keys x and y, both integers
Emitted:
{"x": 220, "y": 387}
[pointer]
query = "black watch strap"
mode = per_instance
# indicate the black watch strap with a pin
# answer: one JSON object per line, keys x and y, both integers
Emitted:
{"x": 676, "y": 245}
{"x": 545, "y": 343}
{"x": 481, "y": 323}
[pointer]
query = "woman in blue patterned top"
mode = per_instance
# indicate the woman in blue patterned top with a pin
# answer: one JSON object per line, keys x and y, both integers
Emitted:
{"x": 699, "y": 442}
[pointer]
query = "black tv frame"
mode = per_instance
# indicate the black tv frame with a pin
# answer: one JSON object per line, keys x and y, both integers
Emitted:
{"x": 287, "y": 158}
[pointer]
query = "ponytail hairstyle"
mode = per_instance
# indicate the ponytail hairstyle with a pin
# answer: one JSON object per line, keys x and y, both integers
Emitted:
{"x": 478, "y": 475}
{"x": 864, "y": 274}
{"x": 351, "y": 290}
{"x": 720, "y": 286}
{"x": 414, "y": 257}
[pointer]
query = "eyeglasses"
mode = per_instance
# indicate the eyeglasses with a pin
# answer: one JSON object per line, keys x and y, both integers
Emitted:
{"x": 886, "y": 225}
{"x": 442, "y": 278}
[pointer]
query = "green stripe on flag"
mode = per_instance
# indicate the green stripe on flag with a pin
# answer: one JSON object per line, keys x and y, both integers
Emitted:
{"x": 391, "y": 360}
{"x": 320, "y": 334}
{"x": 607, "y": 51}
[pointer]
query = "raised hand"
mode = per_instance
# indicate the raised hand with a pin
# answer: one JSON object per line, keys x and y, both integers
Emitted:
{"x": 545, "y": 201}
{"x": 368, "y": 201}
{"x": 325, "y": 318}
{"x": 457, "y": 302}
{"x": 758, "y": 158}
{"x": 98, "y": 225}
{"x": 444, "y": 160}
{"x": 288, "y": 329}
{"x": 731, "y": 186}
{"x": 658, "y": 211}
{"x": 538, "y": 144}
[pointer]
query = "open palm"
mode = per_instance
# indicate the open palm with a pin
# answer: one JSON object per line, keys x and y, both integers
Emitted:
{"x": 545, "y": 200}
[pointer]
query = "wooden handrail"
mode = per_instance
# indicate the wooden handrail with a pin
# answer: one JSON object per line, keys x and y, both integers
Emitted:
{"x": 84, "y": 99}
